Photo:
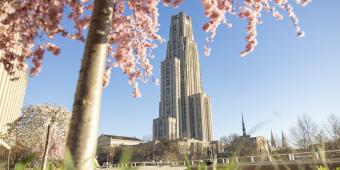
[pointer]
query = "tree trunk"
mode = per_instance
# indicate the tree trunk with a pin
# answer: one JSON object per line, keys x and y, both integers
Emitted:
{"x": 47, "y": 145}
{"x": 8, "y": 158}
{"x": 82, "y": 136}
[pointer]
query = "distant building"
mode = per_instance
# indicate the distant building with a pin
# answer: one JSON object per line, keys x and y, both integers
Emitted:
{"x": 284, "y": 143}
{"x": 246, "y": 145}
{"x": 114, "y": 141}
{"x": 184, "y": 109}
{"x": 188, "y": 145}
{"x": 108, "y": 143}
{"x": 281, "y": 147}
{"x": 272, "y": 140}
{"x": 274, "y": 147}
{"x": 12, "y": 93}
{"x": 192, "y": 149}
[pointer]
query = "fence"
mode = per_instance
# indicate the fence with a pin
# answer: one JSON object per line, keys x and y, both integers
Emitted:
{"x": 321, "y": 156}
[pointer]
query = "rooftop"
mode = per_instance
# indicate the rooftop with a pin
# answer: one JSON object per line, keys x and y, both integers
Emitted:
{"x": 121, "y": 137}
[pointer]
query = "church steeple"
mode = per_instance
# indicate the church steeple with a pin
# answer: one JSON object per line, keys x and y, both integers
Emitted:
{"x": 284, "y": 142}
{"x": 272, "y": 140}
{"x": 243, "y": 127}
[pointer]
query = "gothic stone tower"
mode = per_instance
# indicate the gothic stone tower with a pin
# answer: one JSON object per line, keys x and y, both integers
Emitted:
{"x": 184, "y": 109}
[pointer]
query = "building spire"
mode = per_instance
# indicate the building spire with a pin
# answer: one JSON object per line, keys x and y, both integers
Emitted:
{"x": 243, "y": 126}
{"x": 284, "y": 142}
{"x": 272, "y": 139}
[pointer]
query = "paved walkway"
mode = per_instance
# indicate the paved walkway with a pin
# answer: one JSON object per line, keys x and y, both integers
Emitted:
{"x": 150, "y": 168}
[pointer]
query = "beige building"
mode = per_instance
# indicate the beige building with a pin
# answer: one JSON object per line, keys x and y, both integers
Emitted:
{"x": 249, "y": 146}
{"x": 246, "y": 145}
{"x": 184, "y": 109}
{"x": 12, "y": 92}
{"x": 114, "y": 141}
{"x": 192, "y": 149}
{"x": 108, "y": 143}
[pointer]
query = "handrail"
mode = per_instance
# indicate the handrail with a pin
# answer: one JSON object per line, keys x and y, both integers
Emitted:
{"x": 291, "y": 157}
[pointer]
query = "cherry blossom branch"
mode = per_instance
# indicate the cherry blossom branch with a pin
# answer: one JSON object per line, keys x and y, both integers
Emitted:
{"x": 133, "y": 35}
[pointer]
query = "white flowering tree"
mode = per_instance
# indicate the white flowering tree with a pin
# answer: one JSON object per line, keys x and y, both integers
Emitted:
{"x": 122, "y": 33}
{"x": 41, "y": 130}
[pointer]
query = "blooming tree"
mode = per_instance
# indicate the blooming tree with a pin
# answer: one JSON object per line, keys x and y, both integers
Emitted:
{"x": 38, "y": 22}
{"x": 122, "y": 33}
{"x": 28, "y": 132}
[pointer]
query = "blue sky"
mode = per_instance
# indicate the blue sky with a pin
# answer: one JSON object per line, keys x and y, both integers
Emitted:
{"x": 283, "y": 78}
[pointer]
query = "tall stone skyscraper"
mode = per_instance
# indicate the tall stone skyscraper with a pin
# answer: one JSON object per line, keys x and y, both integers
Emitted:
{"x": 184, "y": 109}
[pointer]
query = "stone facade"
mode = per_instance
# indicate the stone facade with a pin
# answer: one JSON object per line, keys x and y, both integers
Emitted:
{"x": 12, "y": 93}
{"x": 184, "y": 109}
{"x": 246, "y": 145}
{"x": 108, "y": 143}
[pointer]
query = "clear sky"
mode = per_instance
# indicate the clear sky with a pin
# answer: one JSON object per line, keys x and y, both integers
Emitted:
{"x": 283, "y": 78}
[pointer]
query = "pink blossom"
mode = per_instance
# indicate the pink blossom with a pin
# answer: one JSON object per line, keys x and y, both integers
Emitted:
{"x": 215, "y": 10}
{"x": 156, "y": 81}
{"x": 107, "y": 75}
{"x": 136, "y": 92}
{"x": 277, "y": 15}
{"x": 303, "y": 2}
{"x": 55, "y": 50}
{"x": 133, "y": 35}
{"x": 173, "y": 3}
{"x": 207, "y": 51}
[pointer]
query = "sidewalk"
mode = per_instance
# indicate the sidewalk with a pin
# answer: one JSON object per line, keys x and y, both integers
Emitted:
{"x": 148, "y": 168}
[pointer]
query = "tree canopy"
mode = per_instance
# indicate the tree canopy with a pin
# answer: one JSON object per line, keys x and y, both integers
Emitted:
{"x": 28, "y": 132}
